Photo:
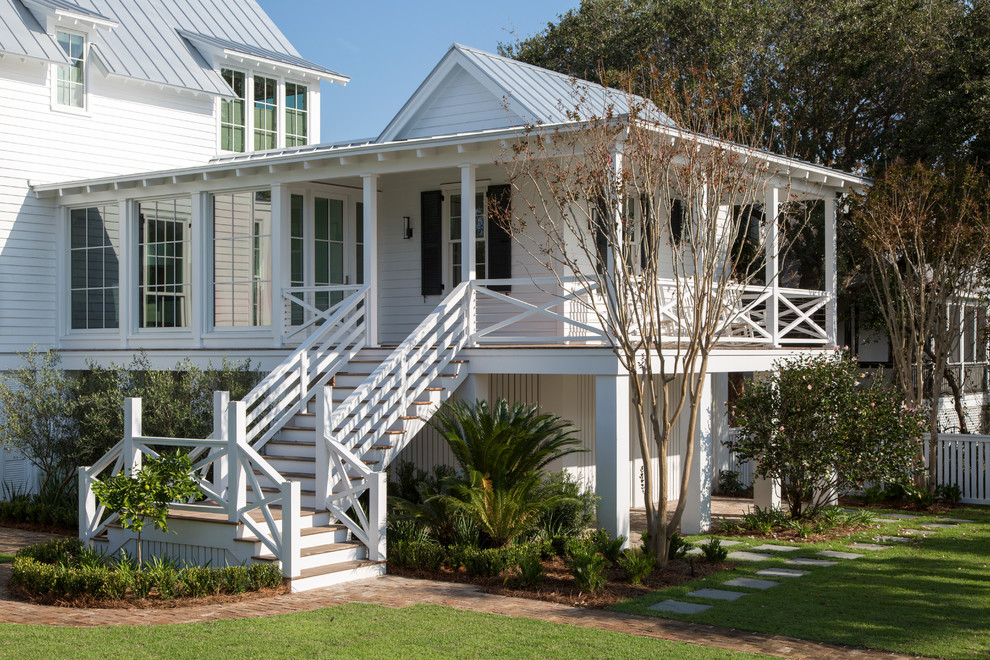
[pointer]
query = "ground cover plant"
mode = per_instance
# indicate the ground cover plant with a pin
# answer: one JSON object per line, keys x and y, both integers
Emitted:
{"x": 353, "y": 630}
{"x": 926, "y": 596}
{"x": 64, "y": 572}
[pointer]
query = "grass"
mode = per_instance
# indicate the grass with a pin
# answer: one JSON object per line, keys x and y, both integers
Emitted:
{"x": 6, "y": 558}
{"x": 926, "y": 597}
{"x": 353, "y": 630}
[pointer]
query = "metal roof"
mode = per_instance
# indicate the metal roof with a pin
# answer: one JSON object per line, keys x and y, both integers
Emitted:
{"x": 293, "y": 61}
{"x": 146, "y": 44}
{"x": 539, "y": 96}
{"x": 21, "y": 34}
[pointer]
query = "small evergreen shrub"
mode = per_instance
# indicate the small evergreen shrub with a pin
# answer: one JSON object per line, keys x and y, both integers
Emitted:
{"x": 730, "y": 483}
{"x": 486, "y": 562}
{"x": 529, "y": 569}
{"x": 950, "y": 494}
{"x": 713, "y": 551}
{"x": 587, "y": 567}
{"x": 678, "y": 546}
{"x": 606, "y": 545}
{"x": 424, "y": 555}
{"x": 637, "y": 564}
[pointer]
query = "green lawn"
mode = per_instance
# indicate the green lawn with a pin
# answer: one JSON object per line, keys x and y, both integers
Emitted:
{"x": 929, "y": 597}
{"x": 354, "y": 630}
{"x": 6, "y": 558}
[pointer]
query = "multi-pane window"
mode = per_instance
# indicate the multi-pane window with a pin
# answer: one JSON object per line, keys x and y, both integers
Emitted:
{"x": 242, "y": 280}
{"x": 94, "y": 264}
{"x": 165, "y": 262}
{"x": 232, "y": 112}
{"x": 265, "y": 113}
{"x": 328, "y": 245}
{"x": 71, "y": 78}
{"x": 456, "y": 252}
{"x": 296, "y": 119}
{"x": 297, "y": 254}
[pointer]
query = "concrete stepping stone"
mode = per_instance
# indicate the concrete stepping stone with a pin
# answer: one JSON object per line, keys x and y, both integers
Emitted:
{"x": 835, "y": 554}
{"x": 721, "y": 542}
{"x": 868, "y": 546}
{"x": 888, "y": 520}
{"x": 679, "y": 607}
{"x": 776, "y": 548}
{"x": 751, "y": 583}
{"x": 805, "y": 561}
{"x": 902, "y": 516}
{"x": 781, "y": 572}
{"x": 693, "y": 551}
{"x": 952, "y": 520}
{"x": 918, "y": 532}
{"x": 893, "y": 539}
{"x": 717, "y": 594}
{"x": 740, "y": 555}
{"x": 939, "y": 525}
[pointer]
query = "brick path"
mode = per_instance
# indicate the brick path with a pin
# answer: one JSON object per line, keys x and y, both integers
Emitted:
{"x": 394, "y": 591}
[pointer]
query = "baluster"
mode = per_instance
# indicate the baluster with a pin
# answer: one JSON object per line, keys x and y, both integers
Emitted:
{"x": 324, "y": 401}
{"x": 303, "y": 376}
{"x": 237, "y": 474}
{"x": 291, "y": 526}
{"x": 471, "y": 311}
{"x": 377, "y": 521}
{"x": 132, "y": 430}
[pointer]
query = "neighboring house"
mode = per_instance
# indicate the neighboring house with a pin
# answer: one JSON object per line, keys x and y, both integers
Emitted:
{"x": 179, "y": 183}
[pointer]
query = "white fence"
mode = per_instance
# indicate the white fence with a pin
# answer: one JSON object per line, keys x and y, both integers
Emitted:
{"x": 729, "y": 462}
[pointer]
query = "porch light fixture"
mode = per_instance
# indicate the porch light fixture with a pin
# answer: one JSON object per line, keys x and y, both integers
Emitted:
{"x": 406, "y": 227}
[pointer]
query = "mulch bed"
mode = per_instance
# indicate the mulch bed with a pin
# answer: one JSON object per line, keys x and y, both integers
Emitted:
{"x": 558, "y": 586}
{"x": 793, "y": 536}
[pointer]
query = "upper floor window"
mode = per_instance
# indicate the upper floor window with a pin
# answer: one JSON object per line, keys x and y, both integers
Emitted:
{"x": 295, "y": 115}
{"x": 265, "y": 113}
{"x": 70, "y": 85}
{"x": 232, "y": 117}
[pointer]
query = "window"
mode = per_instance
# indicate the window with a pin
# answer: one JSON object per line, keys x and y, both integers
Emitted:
{"x": 328, "y": 246}
{"x": 295, "y": 115}
{"x": 164, "y": 258}
{"x": 94, "y": 263}
{"x": 232, "y": 112}
{"x": 265, "y": 113}
{"x": 70, "y": 85}
{"x": 297, "y": 254}
{"x": 242, "y": 259}
{"x": 456, "y": 250}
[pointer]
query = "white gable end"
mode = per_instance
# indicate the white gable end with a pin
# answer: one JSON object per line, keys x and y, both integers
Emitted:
{"x": 460, "y": 103}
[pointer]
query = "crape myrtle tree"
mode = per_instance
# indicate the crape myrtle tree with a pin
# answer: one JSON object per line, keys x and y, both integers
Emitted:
{"x": 650, "y": 204}
{"x": 924, "y": 236}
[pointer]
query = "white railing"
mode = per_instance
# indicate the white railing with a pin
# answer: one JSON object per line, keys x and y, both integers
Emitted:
{"x": 306, "y": 308}
{"x": 285, "y": 391}
{"x": 233, "y": 462}
{"x": 551, "y": 311}
{"x": 964, "y": 460}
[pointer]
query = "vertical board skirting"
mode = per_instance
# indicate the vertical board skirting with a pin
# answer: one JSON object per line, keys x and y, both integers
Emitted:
{"x": 185, "y": 555}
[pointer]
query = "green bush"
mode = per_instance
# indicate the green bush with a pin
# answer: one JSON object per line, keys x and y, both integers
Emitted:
{"x": 605, "y": 544}
{"x": 713, "y": 551}
{"x": 529, "y": 569}
{"x": 587, "y": 567}
{"x": 678, "y": 546}
{"x": 573, "y": 513}
{"x": 950, "y": 494}
{"x": 423, "y": 555}
{"x": 637, "y": 564}
{"x": 486, "y": 562}
{"x": 730, "y": 483}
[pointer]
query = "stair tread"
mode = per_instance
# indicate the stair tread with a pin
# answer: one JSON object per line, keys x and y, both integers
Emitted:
{"x": 335, "y": 568}
{"x": 315, "y": 550}
{"x": 306, "y": 531}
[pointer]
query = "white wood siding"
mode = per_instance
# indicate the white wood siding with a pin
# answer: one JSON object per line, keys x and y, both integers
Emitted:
{"x": 126, "y": 128}
{"x": 460, "y": 104}
{"x": 675, "y": 452}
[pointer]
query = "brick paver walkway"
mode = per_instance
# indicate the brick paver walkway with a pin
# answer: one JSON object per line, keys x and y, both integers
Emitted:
{"x": 394, "y": 591}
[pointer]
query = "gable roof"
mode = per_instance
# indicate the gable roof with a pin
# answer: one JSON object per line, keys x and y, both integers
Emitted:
{"x": 529, "y": 94}
{"x": 142, "y": 39}
{"x": 22, "y": 34}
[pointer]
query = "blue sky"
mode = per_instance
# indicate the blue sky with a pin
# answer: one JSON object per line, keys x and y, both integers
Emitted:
{"x": 387, "y": 47}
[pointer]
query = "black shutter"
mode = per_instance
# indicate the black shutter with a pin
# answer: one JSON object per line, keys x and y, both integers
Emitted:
{"x": 677, "y": 220}
{"x": 431, "y": 242}
{"x": 647, "y": 246}
{"x": 599, "y": 216}
{"x": 499, "y": 239}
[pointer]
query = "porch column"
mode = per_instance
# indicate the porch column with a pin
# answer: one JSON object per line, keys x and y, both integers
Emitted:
{"x": 281, "y": 273}
{"x": 698, "y": 507}
{"x": 476, "y": 387}
{"x": 612, "y": 452}
{"x": 201, "y": 292}
{"x": 831, "y": 280}
{"x": 127, "y": 303}
{"x": 771, "y": 207}
{"x": 469, "y": 258}
{"x": 370, "y": 226}
{"x": 720, "y": 424}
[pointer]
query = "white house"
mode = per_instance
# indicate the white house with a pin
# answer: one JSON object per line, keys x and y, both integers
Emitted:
{"x": 174, "y": 197}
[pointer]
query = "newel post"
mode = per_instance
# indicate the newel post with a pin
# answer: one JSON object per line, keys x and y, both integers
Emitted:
{"x": 236, "y": 474}
{"x": 87, "y": 506}
{"x": 770, "y": 210}
{"x": 132, "y": 430}
{"x": 324, "y": 401}
{"x": 377, "y": 520}
{"x": 221, "y": 466}
{"x": 291, "y": 526}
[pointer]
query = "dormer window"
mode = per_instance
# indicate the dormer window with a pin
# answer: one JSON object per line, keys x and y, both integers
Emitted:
{"x": 296, "y": 118}
{"x": 232, "y": 116}
{"x": 70, "y": 84}
{"x": 265, "y": 113}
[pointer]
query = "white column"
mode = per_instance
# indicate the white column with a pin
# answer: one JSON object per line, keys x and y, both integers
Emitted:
{"x": 202, "y": 262}
{"x": 281, "y": 266}
{"x": 127, "y": 254}
{"x": 831, "y": 279}
{"x": 132, "y": 429}
{"x": 612, "y": 452}
{"x": 370, "y": 203}
{"x": 771, "y": 208}
{"x": 766, "y": 493}
{"x": 476, "y": 387}
{"x": 697, "y": 516}
{"x": 720, "y": 422}
{"x": 469, "y": 259}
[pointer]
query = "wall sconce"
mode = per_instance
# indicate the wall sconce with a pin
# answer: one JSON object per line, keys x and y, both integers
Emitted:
{"x": 407, "y": 231}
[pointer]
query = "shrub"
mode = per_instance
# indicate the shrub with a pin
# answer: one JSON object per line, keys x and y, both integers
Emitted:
{"x": 486, "y": 562}
{"x": 264, "y": 576}
{"x": 713, "y": 551}
{"x": 572, "y": 514}
{"x": 529, "y": 569}
{"x": 587, "y": 567}
{"x": 606, "y": 545}
{"x": 52, "y": 552}
{"x": 424, "y": 555}
{"x": 814, "y": 427}
{"x": 637, "y": 564}
{"x": 678, "y": 546}
{"x": 950, "y": 494}
{"x": 730, "y": 483}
